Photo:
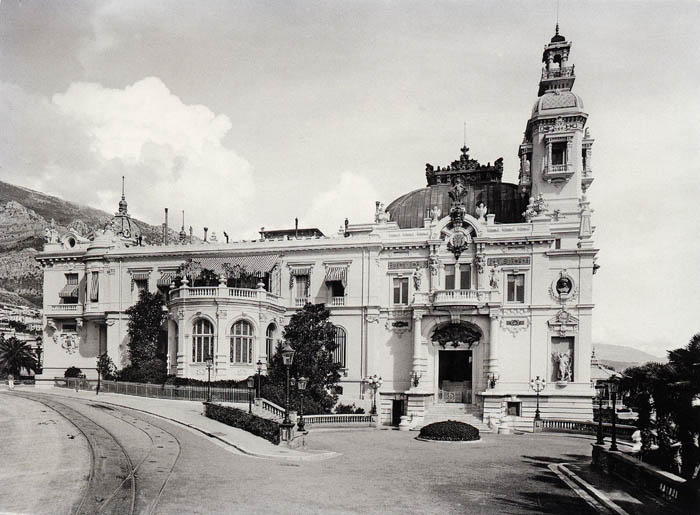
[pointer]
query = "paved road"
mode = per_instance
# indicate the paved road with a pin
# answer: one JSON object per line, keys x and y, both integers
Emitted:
{"x": 129, "y": 462}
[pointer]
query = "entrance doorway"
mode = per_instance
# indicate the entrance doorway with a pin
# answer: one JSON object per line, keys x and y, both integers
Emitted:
{"x": 455, "y": 376}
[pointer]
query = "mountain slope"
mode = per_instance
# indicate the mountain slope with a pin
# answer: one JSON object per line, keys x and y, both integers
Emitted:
{"x": 24, "y": 214}
{"x": 621, "y": 357}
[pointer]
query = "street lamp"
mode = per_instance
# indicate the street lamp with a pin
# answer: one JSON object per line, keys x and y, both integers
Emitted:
{"x": 287, "y": 359}
{"x": 210, "y": 363}
{"x": 259, "y": 364}
{"x": 374, "y": 383}
{"x": 600, "y": 389}
{"x": 613, "y": 389}
{"x": 538, "y": 384}
{"x": 251, "y": 384}
{"x": 38, "y": 350}
{"x": 301, "y": 385}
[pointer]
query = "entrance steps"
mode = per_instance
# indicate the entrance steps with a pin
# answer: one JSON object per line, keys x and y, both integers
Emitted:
{"x": 467, "y": 413}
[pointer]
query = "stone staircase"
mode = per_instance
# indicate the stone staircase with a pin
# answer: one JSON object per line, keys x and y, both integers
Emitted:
{"x": 454, "y": 411}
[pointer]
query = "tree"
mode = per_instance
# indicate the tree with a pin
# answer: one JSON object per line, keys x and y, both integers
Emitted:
{"x": 15, "y": 356}
{"x": 105, "y": 366}
{"x": 145, "y": 320}
{"x": 312, "y": 336}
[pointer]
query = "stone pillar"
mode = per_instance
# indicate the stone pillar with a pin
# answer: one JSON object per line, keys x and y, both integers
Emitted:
{"x": 183, "y": 334}
{"x": 221, "y": 350}
{"x": 493, "y": 342}
{"x": 417, "y": 334}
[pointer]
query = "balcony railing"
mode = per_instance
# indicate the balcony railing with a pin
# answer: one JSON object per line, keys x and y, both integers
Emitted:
{"x": 338, "y": 301}
{"x": 557, "y": 73}
{"x": 67, "y": 309}
{"x": 558, "y": 172}
{"x": 224, "y": 292}
{"x": 300, "y": 301}
{"x": 461, "y": 297}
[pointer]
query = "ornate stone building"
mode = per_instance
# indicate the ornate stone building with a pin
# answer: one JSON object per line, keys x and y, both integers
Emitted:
{"x": 457, "y": 294}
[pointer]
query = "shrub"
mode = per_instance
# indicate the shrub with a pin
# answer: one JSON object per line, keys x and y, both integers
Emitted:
{"x": 450, "y": 430}
{"x": 267, "y": 429}
{"x": 347, "y": 409}
{"x": 72, "y": 372}
{"x": 152, "y": 372}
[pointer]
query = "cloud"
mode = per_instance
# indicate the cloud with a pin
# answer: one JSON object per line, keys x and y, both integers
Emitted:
{"x": 79, "y": 143}
{"x": 351, "y": 199}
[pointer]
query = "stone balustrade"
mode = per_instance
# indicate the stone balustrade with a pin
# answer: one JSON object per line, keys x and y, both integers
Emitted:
{"x": 461, "y": 297}
{"x": 64, "y": 309}
{"x": 224, "y": 292}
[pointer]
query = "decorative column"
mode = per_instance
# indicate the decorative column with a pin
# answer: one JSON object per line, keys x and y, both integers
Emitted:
{"x": 182, "y": 335}
{"x": 221, "y": 345}
{"x": 417, "y": 371}
{"x": 493, "y": 342}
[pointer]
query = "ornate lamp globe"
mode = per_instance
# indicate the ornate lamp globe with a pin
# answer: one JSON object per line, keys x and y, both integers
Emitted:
{"x": 287, "y": 355}
{"x": 302, "y": 382}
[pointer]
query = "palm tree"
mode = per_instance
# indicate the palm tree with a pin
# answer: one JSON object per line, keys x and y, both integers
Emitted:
{"x": 15, "y": 356}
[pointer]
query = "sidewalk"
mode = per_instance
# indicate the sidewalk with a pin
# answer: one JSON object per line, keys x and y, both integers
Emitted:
{"x": 609, "y": 494}
{"x": 189, "y": 413}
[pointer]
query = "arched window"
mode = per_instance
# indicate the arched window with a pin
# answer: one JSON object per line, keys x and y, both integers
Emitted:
{"x": 202, "y": 341}
{"x": 339, "y": 353}
{"x": 270, "y": 342}
{"x": 242, "y": 342}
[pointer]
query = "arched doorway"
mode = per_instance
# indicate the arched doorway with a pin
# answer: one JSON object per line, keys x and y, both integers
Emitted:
{"x": 455, "y": 361}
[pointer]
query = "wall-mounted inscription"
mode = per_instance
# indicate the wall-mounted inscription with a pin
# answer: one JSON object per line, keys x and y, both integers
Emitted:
{"x": 399, "y": 323}
{"x": 406, "y": 265}
{"x": 501, "y": 261}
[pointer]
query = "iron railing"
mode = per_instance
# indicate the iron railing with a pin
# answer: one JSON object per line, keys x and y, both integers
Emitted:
{"x": 338, "y": 420}
{"x": 624, "y": 432}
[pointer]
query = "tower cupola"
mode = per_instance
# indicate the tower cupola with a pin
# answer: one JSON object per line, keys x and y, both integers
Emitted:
{"x": 556, "y": 72}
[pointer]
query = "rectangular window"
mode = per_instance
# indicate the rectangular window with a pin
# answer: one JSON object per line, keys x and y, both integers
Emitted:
{"x": 559, "y": 153}
{"x": 516, "y": 288}
{"x": 513, "y": 409}
{"x": 401, "y": 290}
{"x": 69, "y": 327}
{"x": 557, "y": 243}
{"x": 95, "y": 287}
{"x": 449, "y": 277}
{"x": 465, "y": 277}
{"x": 302, "y": 282}
{"x": 562, "y": 359}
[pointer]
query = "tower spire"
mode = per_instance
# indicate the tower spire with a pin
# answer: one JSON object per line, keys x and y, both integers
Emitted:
{"x": 122, "y": 202}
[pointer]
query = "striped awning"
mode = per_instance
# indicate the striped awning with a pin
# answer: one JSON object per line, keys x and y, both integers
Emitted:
{"x": 166, "y": 278}
{"x": 140, "y": 276}
{"x": 95, "y": 287}
{"x": 69, "y": 291}
{"x": 337, "y": 273}
{"x": 236, "y": 266}
{"x": 300, "y": 270}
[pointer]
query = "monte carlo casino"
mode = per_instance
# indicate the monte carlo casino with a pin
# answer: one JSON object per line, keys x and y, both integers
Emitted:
{"x": 457, "y": 294}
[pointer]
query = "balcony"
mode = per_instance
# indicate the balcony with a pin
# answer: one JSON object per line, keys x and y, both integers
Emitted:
{"x": 558, "y": 73}
{"x": 557, "y": 173}
{"x": 224, "y": 292}
{"x": 337, "y": 301}
{"x": 461, "y": 297}
{"x": 301, "y": 301}
{"x": 64, "y": 310}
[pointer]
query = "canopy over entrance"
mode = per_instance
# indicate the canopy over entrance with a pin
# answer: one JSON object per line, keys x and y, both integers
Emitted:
{"x": 456, "y": 334}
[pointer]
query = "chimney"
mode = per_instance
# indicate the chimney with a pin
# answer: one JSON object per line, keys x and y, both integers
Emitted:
{"x": 226, "y": 236}
{"x": 190, "y": 234}
{"x": 205, "y": 234}
{"x": 165, "y": 228}
{"x": 296, "y": 227}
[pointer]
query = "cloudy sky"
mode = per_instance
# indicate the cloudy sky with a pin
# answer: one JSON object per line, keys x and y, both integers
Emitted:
{"x": 248, "y": 114}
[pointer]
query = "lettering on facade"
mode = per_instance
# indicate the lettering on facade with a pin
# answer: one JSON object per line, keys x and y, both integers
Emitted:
{"x": 406, "y": 265}
{"x": 515, "y": 322}
{"x": 501, "y": 261}
{"x": 399, "y": 323}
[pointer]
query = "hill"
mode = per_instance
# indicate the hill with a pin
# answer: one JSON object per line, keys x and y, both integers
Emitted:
{"x": 621, "y": 357}
{"x": 24, "y": 214}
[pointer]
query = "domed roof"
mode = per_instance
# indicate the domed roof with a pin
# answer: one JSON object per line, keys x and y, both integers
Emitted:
{"x": 557, "y": 100}
{"x": 502, "y": 199}
{"x": 124, "y": 226}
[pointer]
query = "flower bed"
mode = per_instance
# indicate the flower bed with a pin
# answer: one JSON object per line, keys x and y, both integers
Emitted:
{"x": 267, "y": 429}
{"x": 449, "y": 431}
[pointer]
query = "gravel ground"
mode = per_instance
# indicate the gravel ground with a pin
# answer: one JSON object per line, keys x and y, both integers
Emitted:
{"x": 379, "y": 472}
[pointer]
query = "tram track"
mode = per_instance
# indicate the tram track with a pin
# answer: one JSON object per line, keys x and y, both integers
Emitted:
{"x": 112, "y": 486}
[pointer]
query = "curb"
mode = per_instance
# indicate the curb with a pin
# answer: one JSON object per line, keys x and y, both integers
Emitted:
{"x": 594, "y": 497}
{"x": 322, "y": 455}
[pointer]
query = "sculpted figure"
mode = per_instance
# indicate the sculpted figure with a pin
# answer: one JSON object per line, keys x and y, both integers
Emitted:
{"x": 481, "y": 211}
{"x": 417, "y": 278}
{"x": 435, "y": 213}
{"x": 458, "y": 191}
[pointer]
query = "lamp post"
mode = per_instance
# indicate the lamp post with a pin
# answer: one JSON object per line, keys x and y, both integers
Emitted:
{"x": 287, "y": 359}
{"x": 374, "y": 383}
{"x": 38, "y": 351}
{"x": 613, "y": 390}
{"x": 259, "y": 364}
{"x": 251, "y": 384}
{"x": 301, "y": 385}
{"x": 209, "y": 363}
{"x": 600, "y": 388}
{"x": 538, "y": 384}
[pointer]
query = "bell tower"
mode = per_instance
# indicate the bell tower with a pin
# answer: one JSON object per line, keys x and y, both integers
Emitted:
{"x": 555, "y": 154}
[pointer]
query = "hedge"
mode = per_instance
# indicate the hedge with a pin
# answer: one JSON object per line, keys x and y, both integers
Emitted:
{"x": 264, "y": 428}
{"x": 451, "y": 431}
